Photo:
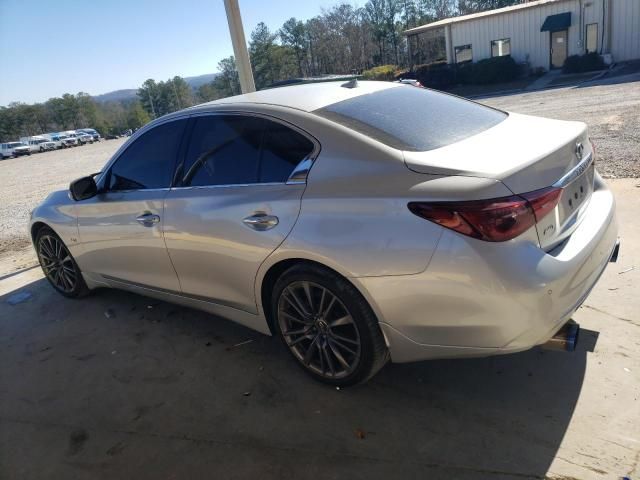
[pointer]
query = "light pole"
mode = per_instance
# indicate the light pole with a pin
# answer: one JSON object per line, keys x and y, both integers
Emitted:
{"x": 239, "y": 46}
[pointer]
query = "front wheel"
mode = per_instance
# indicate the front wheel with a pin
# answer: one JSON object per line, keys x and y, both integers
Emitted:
{"x": 58, "y": 265}
{"x": 328, "y": 326}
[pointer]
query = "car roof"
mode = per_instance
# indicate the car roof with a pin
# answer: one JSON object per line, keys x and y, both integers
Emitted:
{"x": 307, "y": 97}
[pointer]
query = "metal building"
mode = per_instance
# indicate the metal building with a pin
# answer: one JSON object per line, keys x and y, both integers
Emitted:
{"x": 542, "y": 33}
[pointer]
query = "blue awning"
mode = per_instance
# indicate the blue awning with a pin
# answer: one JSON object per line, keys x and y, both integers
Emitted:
{"x": 553, "y": 23}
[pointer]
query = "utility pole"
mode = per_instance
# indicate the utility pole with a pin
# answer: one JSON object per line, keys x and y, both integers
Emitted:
{"x": 239, "y": 46}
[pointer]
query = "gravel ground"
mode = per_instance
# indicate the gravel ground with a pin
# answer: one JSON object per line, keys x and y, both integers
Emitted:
{"x": 26, "y": 181}
{"x": 611, "y": 108}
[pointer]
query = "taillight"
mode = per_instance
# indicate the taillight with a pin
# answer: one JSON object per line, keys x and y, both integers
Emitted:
{"x": 494, "y": 220}
{"x": 543, "y": 201}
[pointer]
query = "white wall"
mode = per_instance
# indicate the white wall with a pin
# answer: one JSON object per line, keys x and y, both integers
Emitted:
{"x": 625, "y": 30}
{"x": 528, "y": 42}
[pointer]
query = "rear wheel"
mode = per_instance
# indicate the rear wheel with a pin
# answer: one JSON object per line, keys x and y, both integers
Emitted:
{"x": 328, "y": 326}
{"x": 58, "y": 265}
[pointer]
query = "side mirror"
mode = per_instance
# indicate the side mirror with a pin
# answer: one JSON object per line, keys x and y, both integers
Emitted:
{"x": 83, "y": 188}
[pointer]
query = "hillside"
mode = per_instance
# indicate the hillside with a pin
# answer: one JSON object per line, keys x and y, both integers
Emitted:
{"x": 130, "y": 93}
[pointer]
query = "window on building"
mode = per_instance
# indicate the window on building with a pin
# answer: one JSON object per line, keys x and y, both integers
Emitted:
{"x": 591, "y": 43}
{"x": 501, "y": 48}
{"x": 464, "y": 53}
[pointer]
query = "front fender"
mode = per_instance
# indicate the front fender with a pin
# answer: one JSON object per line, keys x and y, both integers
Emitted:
{"x": 58, "y": 212}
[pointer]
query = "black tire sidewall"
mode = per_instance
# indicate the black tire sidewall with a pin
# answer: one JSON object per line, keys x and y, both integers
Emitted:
{"x": 357, "y": 306}
{"x": 80, "y": 288}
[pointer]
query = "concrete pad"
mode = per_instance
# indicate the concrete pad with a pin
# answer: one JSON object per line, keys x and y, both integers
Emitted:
{"x": 152, "y": 390}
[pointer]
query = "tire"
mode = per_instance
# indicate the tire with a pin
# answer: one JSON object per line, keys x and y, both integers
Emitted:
{"x": 327, "y": 326}
{"x": 58, "y": 265}
{"x": 41, "y": 150}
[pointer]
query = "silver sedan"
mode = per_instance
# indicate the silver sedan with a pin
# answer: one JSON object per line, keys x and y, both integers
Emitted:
{"x": 360, "y": 222}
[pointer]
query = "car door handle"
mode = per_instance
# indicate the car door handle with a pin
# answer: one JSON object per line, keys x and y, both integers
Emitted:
{"x": 261, "y": 221}
{"x": 148, "y": 219}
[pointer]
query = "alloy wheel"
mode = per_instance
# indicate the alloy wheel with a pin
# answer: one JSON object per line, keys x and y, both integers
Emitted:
{"x": 319, "y": 330}
{"x": 57, "y": 263}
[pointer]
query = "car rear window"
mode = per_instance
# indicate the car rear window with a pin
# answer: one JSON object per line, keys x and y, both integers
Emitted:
{"x": 411, "y": 118}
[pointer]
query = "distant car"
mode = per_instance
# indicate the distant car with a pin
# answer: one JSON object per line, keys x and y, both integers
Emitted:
{"x": 38, "y": 143}
{"x": 14, "y": 149}
{"x": 410, "y": 81}
{"x": 83, "y": 138}
{"x": 57, "y": 141}
{"x": 92, "y": 132}
{"x": 47, "y": 145}
{"x": 358, "y": 222}
{"x": 111, "y": 136}
{"x": 67, "y": 140}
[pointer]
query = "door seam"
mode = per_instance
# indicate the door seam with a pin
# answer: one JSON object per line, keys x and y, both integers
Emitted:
{"x": 164, "y": 239}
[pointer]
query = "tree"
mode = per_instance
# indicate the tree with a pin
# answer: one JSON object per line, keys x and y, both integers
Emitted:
{"x": 228, "y": 81}
{"x": 261, "y": 52}
{"x": 149, "y": 94}
{"x": 472, "y": 6}
{"x": 294, "y": 35}
{"x": 136, "y": 116}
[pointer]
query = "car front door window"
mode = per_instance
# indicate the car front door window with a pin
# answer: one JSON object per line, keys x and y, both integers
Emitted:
{"x": 149, "y": 161}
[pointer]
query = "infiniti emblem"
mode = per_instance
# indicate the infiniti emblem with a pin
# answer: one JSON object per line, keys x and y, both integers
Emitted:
{"x": 579, "y": 150}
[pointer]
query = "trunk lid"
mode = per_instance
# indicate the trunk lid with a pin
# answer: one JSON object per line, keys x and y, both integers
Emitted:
{"x": 526, "y": 154}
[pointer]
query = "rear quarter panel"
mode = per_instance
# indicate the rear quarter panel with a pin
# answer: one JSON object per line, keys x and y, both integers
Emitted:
{"x": 354, "y": 216}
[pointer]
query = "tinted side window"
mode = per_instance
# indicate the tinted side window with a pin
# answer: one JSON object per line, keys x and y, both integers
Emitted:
{"x": 224, "y": 150}
{"x": 149, "y": 161}
{"x": 283, "y": 149}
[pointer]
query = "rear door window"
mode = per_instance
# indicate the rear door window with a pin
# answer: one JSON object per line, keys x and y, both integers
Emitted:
{"x": 413, "y": 119}
{"x": 223, "y": 150}
{"x": 242, "y": 150}
{"x": 283, "y": 149}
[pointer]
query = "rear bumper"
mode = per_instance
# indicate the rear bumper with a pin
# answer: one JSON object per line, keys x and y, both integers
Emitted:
{"x": 480, "y": 299}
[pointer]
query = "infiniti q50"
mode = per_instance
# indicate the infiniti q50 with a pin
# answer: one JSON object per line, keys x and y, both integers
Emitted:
{"x": 359, "y": 222}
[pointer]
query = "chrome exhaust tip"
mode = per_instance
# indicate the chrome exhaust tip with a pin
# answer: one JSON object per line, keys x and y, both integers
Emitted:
{"x": 614, "y": 254}
{"x": 566, "y": 339}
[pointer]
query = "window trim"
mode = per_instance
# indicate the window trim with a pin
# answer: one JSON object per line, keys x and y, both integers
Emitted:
{"x": 586, "y": 36}
{"x": 190, "y": 117}
{"x": 311, "y": 157}
{"x": 500, "y": 40}
{"x": 462, "y": 47}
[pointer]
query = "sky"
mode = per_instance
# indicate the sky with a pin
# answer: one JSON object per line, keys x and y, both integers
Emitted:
{"x": 51, "y": 47}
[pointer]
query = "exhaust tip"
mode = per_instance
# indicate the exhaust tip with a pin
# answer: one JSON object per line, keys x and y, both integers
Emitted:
{"x": 566, "y": 339}
{"x": 614, "y": 254}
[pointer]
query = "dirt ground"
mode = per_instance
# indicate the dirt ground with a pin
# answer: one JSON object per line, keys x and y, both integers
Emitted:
{"x": 26, "y": 181}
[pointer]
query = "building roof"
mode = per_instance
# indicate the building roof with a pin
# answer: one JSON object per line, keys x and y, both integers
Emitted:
{"x": 307, "y": 97}
{"x": 474, "y": 16}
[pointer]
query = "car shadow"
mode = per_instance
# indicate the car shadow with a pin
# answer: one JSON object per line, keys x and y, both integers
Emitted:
{"x": 120, "y": 385}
